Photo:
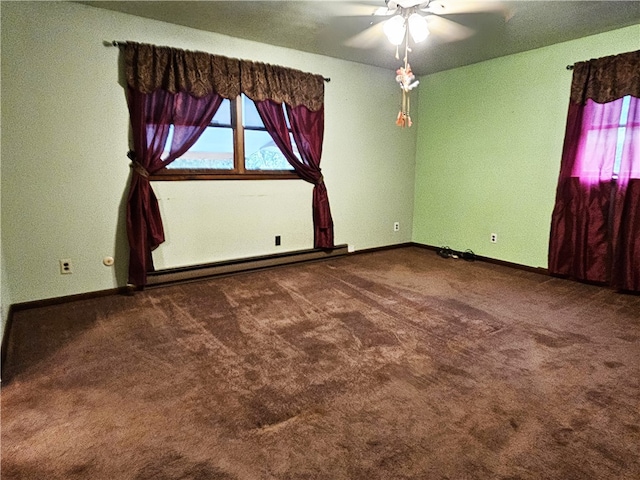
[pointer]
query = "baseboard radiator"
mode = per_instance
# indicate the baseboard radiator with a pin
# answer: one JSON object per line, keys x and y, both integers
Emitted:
{"x": 197, "y": 272}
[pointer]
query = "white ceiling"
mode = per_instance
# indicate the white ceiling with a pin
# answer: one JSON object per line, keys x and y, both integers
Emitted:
{"x": 323, "y": 26}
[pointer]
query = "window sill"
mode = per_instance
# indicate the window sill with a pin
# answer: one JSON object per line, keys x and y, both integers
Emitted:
{"x": 180, "y": 175}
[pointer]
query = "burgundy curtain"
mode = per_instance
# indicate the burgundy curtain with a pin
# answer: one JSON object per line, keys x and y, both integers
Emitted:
{"x": 307, "y": 127}
{"x": 152, "y": 114}
{"x": 626, "y": 207}
{"x": 595, "y": 227}
{"x": 169, "y": 86}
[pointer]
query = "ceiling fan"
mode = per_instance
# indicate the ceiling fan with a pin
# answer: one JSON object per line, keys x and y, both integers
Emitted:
{"x": 401, "y": 20}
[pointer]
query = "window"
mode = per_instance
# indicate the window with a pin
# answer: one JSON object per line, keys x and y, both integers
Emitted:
{"x": 622, "y": 130}
{"x": 235, "y": 145}
{"x": 600, "y": 149}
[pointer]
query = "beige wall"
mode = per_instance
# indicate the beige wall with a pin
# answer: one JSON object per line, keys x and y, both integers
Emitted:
{"x": 64, "y": 169}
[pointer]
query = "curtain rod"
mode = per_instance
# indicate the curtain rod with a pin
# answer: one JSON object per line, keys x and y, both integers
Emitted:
{"x": 569, "y": 67}
{"x": 120, "y": 43}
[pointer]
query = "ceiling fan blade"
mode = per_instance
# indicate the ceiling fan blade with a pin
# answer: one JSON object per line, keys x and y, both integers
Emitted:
{"x": 445, "y": 7}
{"x": 368, "y": 38}
{"x": 349, "y": 9}
{"x": 353, "y": 9}
{"x": 448, "y": 30}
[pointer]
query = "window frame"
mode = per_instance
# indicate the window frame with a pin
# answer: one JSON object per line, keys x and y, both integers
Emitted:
{"x": 239, "y": 171}
{"x": 622, "y": 134}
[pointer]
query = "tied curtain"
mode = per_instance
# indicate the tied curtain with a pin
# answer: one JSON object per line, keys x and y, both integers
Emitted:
{"x": 595, "y": 226}
{"x": 168, "y": 86}
{"x": 151, "y": 116}
{"x": 307, "y": 128}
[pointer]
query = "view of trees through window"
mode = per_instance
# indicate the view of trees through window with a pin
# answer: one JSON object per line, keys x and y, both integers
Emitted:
{"x": 236, "y": 142}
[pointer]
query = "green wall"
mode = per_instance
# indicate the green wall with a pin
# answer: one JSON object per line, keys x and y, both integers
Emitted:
{"x": 489, "y": 146}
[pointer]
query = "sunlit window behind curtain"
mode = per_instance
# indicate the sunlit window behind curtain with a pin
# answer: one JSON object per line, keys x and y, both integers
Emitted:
{"x": 599, "y": 154}
{"x": 622, "y": 130}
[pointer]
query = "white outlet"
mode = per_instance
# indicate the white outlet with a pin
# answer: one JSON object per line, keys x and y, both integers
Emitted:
{"x": 65, "y": 266}
{"x": 494, "y": 238}
{"x": 396, "y": 227}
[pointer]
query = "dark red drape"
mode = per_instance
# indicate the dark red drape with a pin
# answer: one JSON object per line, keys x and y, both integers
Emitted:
{"x": 580, "y": 234}
{"x": 151, "y": 115}
{"x": 169, "y": 86}
{"x": 626, "y": 205}
{"x": 595, "y": 227}
{"x": 307, "y": 127}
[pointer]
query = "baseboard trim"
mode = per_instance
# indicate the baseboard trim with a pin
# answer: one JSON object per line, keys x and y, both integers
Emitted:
{"x": 5, "y": 340}
{"x": 47, "y": 302}
{"x": 382, "y": 249}
{"x": 199, "y": 272}
{"x": 174, "y": 275}
{"x": 495, "y": 261}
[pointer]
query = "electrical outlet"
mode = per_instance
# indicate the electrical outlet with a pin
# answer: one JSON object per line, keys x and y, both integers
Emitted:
{"x": 65, "y": 266}
{"x": 494, "y": 238}
{"x": 278, "y": 240}
{"x": 396, "y": 227}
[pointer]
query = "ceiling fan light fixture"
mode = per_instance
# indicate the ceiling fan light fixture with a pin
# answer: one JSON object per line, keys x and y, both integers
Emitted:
{"x": 394, "y": 29}
{"x": 418, "y": 27}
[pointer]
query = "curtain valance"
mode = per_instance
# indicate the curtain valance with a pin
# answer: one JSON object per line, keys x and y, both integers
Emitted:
{"x": 606, "y": 79}
{"x": 150, "y": 67}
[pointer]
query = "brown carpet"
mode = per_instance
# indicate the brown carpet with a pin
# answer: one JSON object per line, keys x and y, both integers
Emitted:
{"x": 389, "y": 365}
